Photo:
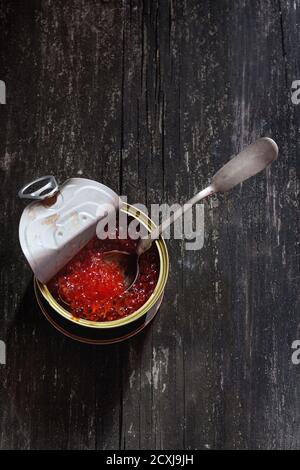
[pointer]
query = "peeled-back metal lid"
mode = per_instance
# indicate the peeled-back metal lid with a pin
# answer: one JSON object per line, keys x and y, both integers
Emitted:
{"x": 61, "y": 220}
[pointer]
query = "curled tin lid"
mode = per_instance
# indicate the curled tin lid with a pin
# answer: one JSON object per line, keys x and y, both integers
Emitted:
{"x": 61, "y": 220}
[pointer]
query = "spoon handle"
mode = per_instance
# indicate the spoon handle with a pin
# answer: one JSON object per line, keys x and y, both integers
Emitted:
{"x": 253, "y": 159}
{"x": 250, "y": 161}
{"x": 145, "y": 243}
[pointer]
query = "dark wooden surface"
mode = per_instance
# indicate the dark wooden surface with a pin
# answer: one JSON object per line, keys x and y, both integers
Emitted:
{"x": 151, "y": 98}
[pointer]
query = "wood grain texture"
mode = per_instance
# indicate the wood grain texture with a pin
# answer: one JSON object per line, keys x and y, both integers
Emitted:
{"x": 151, "y": 98}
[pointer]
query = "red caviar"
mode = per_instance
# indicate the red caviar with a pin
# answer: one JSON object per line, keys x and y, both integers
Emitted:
{"x": 95, "y": 290}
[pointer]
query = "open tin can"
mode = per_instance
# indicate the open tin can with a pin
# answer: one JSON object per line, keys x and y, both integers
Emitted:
{"x": 54, "y": 228}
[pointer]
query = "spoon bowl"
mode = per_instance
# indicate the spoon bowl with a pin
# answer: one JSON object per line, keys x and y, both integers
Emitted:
{"x": 127, "y": 262}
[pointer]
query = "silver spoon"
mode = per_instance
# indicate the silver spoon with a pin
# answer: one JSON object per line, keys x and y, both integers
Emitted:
{"x": 253, "y": 159}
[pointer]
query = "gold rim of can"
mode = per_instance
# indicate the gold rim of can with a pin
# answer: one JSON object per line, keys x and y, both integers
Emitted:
{"x": 159, "y": 288}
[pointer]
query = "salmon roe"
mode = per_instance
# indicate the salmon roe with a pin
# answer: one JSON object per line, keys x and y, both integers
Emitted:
{"x": 95, "y": 290}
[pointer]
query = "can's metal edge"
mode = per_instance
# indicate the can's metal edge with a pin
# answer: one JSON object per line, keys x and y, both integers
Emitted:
{"x": 85, "y": 340}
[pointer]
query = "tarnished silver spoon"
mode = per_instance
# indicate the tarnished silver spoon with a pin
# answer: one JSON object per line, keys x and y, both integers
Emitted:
{"x": 253, "y": 159}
